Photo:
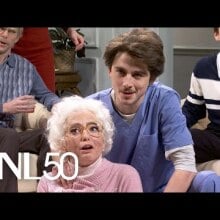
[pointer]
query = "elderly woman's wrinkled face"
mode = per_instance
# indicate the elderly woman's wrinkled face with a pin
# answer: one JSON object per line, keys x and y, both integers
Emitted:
{"x": 84, "y": 137}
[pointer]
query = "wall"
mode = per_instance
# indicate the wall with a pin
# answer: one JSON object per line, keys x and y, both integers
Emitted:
{"x": 189, "y": 45}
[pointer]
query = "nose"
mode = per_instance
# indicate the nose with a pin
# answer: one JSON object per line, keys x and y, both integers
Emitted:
{"x": 85, "y": 134}
{"x": 127, "y": 81}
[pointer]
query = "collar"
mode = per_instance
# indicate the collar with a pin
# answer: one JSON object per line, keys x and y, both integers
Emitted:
{"x": 218, "y": 64}
{"x": 11, "y": 60}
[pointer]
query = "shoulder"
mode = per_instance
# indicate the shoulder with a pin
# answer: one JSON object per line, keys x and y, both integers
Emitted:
{"x": 162, "y": 89}
{"x": 205, "y": 66}
{"x": 101, "y": 94}
{"x": 20, "y": 59}
{"x": 206, "y": 61}
{"x": 161, "y": 92}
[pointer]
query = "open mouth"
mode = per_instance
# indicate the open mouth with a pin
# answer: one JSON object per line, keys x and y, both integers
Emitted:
{"x": 87, "y": 147}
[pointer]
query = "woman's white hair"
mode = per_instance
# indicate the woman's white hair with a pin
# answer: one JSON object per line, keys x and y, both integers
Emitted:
{"x": 68, "y": 105}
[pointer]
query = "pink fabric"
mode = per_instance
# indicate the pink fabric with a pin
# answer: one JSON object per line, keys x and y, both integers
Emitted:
{"x": 108, "y": 177}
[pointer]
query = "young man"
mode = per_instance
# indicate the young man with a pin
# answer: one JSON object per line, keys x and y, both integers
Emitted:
{"x": 20, "y": 86}
{"x": 151, "y": 133}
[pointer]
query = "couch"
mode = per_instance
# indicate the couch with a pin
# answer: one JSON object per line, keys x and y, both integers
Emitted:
{"x": 27, "y": 121}
{"x": 210, "y": 165}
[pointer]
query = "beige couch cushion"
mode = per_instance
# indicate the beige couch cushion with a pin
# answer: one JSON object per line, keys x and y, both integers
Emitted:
{"x": 213, "y": 165}
{"x": 29, "y": 185}
{"x": 37, "y": 119}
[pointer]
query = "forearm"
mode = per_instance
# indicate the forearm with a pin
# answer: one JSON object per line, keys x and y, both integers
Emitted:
{"x": 185, "y": 168}
{"x": 180, "y": 181}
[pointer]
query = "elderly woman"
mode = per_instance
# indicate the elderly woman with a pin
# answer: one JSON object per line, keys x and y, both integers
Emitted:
{"x": 85, "y": 128}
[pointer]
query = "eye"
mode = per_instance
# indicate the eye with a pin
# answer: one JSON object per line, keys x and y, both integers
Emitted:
{"x": 120, "y": 71}
{"x": 138, "y": 75}
{"x": 75, "y": 131}
{"x": 12, "y": 30}
{"x": 94, "y": 128}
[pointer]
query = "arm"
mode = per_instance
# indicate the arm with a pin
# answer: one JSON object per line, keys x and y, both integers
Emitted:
{"x": 194, "y": 107}
{"x": 177, "y": 142}
{"x": 180, "y": 181}
{"x": 193, "y": 112}
{"x": 42, "y": 93}
{"x": 183, "y": 159}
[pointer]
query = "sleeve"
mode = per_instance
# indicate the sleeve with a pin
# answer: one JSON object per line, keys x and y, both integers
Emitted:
{"x": 42, "y": 185}
{"x": 172, "y": 123}
{"x": 194, "y": 107}
{"x": 42, "y": 93}
{"x": 130, "y": 180}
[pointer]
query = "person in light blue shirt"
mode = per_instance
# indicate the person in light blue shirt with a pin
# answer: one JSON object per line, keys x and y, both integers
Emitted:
{"x": 20, "y": 87}
{"x": 151, "y": 132}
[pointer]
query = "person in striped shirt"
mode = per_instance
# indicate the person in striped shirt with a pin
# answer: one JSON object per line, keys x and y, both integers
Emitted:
{"x": 204, "y": 98}
{"x": 20, "y": 87}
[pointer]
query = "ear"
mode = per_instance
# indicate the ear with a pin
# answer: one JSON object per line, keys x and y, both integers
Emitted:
{"x": 109, "y": 72}
{"x": 17, "y": 39}
{"x": 217, "y": 36}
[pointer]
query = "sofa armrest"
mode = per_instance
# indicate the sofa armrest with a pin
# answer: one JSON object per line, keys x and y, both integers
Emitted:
{"x": 37, "y": 119}
{"x": 213, "y": 165}
{"x": 25, "y": 121}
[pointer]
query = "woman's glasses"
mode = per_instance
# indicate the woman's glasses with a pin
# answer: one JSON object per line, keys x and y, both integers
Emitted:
{"x": 92, "y": 128}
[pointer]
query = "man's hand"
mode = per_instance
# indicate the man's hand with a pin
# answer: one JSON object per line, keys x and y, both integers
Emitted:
{"x": 77, "y": 39}
{"x": 22, "y": 104}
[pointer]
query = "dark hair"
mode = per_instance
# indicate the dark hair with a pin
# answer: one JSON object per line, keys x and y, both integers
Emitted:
{"x": 143, "y": 45}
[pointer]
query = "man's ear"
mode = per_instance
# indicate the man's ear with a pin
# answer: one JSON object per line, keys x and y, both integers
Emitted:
{"x": 109, "y": 71}
{"x": 217, "y": 35}
{"x": 17, "y": 39}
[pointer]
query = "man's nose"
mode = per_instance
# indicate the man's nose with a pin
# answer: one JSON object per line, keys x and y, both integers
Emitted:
{"x": 128, "y": 79}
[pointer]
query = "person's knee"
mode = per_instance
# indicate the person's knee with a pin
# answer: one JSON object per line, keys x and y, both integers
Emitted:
{"x": 9, "y": 139}
{"x": 9, "y": 134}
{"x": 205, "y": 181}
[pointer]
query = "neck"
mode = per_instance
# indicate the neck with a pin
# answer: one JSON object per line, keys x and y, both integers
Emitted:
{"x": 3, "y": 57}
{"x": 87, "y": 171}
{"x": 120, "y": 109}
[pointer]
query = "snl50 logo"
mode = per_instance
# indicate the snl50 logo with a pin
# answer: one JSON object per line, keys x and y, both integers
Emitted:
{"x": 23, "y": 169}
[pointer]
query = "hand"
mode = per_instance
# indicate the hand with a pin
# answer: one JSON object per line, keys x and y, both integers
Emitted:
{"x": 68, "y": 170}
{"x": 77, "y": 39}
{"x": 22, "y": 104}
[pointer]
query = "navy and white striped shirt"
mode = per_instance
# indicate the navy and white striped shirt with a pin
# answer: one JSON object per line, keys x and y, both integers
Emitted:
{"x": 204, "y": 93}
{"x": 19, "y": 77}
